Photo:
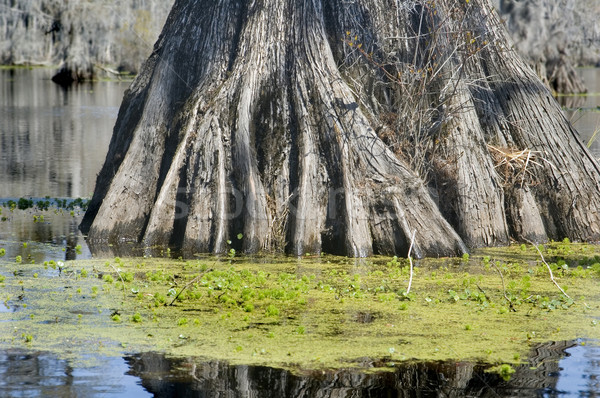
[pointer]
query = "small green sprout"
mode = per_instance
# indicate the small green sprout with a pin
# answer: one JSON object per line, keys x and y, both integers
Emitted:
{"x": 136, "y": 318}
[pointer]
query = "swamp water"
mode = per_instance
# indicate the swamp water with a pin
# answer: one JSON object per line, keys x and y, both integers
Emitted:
{"x": 59, "y": 335}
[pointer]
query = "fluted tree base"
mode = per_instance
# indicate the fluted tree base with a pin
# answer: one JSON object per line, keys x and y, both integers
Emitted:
{"x": 269, "y": 120}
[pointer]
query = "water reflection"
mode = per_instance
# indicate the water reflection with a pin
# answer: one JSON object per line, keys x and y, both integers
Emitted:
{"x": 151, "y": 374}
{"x": 53, "y": 140}
{"x": 33, "y": 374}
{"x": 52, "y": 143}
{"x": 54, "y": 237}
{"x": 584, "y": 111}
{"x": 178, "y": 378}
{"x": 543, "y": 375}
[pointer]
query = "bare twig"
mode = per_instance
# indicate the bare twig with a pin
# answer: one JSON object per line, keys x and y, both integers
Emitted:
{"x": 412, "y": 242}
{"x": 549, "y": 270}
{"x": 120, "y": 277}
{"x": 510, "y": 304}
{"x": 483, "y": 291}
{"x": 188, "y": 284}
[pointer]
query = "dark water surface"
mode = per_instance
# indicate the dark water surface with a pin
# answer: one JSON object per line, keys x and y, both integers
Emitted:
{"x": 553, "y": 370}
{"x": 53, "y": 142}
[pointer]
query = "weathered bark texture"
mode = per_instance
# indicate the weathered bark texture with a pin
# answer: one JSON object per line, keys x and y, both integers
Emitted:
{"x": 554, "y": 36}
{"x": 300, "y": 124}
{"x": 86, "y": 38}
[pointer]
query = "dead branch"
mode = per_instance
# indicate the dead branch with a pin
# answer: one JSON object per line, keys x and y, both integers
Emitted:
{"x": 549, "y": 270}
{"x": 412, "y": 241}
{"x": 510, "y": 304}
{"x": 188, "y": 284}
{"x": 118, "y": 273}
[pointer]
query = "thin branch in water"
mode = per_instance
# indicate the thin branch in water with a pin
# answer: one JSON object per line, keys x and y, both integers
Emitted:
{"x": 483, "y": 291}
{"x": 549, "y": 270}
{"x": 510, "y": 304}
{"x": 120, "y": 277}
{"x": 412, "y": 242}
{"x": 188, "y": 284}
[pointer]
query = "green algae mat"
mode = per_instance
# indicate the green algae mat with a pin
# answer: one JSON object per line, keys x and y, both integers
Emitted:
{"x": 305, "y": 313}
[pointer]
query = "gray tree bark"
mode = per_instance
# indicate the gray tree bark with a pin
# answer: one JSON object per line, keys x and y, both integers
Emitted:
{"x": 314, "y": 125}
{"x": 84, "y": 38}
{"x": 555, "y": 36}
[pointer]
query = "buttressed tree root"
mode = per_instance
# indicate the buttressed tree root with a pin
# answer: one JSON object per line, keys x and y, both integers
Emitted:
{"x": 341, "y": 127}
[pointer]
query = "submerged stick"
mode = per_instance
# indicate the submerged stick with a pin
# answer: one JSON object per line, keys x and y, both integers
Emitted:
{"x": 412, "y": 241}
{"x": 550, "y": 270}
{"x": 510, "y": 304}
{"x": 188, "y": 284}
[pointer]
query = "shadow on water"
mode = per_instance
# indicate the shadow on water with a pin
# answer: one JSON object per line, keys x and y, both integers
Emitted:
{"x": 151, "y": 374}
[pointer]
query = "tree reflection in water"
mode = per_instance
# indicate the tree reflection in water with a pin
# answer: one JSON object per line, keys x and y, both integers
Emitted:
{"x": 550, "y": 371}
{"x": 191, "y": 378}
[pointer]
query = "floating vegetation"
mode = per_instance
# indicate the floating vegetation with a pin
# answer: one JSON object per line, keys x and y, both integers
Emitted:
{"x": 45, "y": 203}
{"x": 309, "y": 313}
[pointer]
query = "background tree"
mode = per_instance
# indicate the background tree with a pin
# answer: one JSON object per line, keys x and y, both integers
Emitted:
{"x": 341, "y": 126}
{"x": 554, "y": 36}
{"x": 84, "y": 37}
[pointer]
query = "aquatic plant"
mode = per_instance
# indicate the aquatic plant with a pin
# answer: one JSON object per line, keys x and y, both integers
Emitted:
{"x": 136, "y": 318}
{"x": 505, "y": 371}
{"x": 318, "y": 307}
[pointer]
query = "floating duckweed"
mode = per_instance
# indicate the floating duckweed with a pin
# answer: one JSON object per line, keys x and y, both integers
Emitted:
{"x": 271, "y": 310}
{"x": 309, "y": 307}
{"x": 127, "y": 276}
{"x": 505, "y": 371}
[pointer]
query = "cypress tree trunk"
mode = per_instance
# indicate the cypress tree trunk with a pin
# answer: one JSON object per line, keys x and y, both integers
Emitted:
{"x": 310, "y": 125}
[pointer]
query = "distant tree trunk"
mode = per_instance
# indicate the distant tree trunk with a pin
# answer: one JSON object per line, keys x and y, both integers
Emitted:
{"x": 86, "y": 38}
{"x": 554, "y": 37}
{"x": 310, "y": 125}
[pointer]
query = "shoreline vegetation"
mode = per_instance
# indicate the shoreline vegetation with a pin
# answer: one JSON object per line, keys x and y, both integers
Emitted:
{"x": 309, "y": 313}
